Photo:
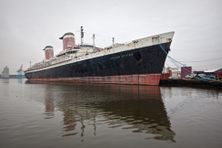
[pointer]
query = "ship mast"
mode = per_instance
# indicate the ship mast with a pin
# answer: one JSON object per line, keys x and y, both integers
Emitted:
{"x": 82, "y": 35}
{"x": 94, "y": 37}
{"x": 113, "y": 41}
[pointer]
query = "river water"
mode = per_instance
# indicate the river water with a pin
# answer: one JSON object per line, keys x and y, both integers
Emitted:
{"x": 108, "y": 116}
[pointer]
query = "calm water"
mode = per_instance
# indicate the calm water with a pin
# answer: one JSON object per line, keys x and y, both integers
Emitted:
{"x": 58, "y": 115}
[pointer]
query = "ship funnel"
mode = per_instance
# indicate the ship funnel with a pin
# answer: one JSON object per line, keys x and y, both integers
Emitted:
{"x": 48, "y": 52}
{"x": 68, "y": 41}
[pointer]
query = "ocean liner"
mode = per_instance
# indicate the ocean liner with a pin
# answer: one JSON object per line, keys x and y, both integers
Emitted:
{"x": 140, "y": 61}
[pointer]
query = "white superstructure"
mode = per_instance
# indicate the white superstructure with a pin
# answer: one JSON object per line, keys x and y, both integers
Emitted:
{"x": 84, "y": 52}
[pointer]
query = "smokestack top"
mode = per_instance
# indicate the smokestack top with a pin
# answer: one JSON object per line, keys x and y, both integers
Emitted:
{"x": 48, "y": 47}
{"x": 68, "y": 33}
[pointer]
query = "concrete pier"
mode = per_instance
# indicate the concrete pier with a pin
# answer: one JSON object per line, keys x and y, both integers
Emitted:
{"x": 192, "y": 83}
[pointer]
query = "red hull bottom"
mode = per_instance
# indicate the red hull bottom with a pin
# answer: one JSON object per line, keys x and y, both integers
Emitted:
{"x": 141, "y": 79}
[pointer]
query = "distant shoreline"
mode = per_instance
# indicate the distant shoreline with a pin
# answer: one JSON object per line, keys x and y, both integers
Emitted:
{"x": 11, "y": 77}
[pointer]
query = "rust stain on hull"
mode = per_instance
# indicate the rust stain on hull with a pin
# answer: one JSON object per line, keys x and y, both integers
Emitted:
{"x": 141, "y": 79}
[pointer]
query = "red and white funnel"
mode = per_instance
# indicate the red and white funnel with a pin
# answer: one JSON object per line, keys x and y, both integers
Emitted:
{"x": 68, "y": 41}
{"x": 48, "y": 52}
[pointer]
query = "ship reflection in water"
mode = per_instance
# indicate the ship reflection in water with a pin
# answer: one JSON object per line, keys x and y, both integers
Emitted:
{"x": 93, "y": 110}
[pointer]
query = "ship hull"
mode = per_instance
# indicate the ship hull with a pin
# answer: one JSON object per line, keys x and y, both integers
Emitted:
{"x": 135, "y": 66}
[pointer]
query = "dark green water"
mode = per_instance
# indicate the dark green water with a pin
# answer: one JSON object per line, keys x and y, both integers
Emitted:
{"x": 59, "y": 115}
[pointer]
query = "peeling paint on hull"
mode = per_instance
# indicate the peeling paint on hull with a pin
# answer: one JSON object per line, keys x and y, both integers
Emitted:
{"x": 145, "y": 79}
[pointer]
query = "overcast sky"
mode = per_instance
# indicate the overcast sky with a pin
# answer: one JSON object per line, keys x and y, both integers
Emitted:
{"x": 27, "y": 26}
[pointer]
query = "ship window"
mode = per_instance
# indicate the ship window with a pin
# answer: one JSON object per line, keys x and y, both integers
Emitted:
{"x": 137, "y": 56}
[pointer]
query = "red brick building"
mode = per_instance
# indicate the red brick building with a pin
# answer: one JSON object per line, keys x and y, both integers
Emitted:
{"x": 186, "y": 70}
{"x": 218, "y": 74}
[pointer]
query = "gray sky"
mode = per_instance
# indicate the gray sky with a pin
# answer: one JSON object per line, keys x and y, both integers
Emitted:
{"x": 27, "y": 26}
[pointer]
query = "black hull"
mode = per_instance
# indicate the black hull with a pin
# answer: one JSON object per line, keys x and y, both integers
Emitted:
{"x": 148, "y": 60}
